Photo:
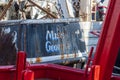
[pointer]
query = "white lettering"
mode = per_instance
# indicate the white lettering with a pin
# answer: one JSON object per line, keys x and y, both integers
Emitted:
{"x": 50, "y": 47}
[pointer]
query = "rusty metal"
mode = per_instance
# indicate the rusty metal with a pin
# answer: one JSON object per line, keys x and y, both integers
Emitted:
{"x": 43, "y": 9}
{"x": 29, "y": 31}
{"x": 5, "y": 10}
{"x": 38, "y": 59}
{"x": 103, "y": 63}
{"x": 62, "y": 53}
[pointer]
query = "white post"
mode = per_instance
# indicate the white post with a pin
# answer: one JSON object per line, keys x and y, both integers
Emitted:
{"x": 85, "y": 10}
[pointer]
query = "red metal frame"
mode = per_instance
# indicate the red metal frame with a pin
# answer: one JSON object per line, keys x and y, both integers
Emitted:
{"x": 109, "y": 44}
{"x": 102, "y": 66}
{"x": 21, "y": 64}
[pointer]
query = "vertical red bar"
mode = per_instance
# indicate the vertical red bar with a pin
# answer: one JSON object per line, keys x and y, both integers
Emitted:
{"x": 108, "y": 44}
{"x": 89, "y": 59}
{"x": 28, "y": 75}
{"x": 94, "y": 73}
{"x": 21, "y": 62}
{"x": 97, "y": 72}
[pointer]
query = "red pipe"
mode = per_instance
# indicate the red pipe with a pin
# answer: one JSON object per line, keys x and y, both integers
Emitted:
{"x": 21, "y": 64}
{"x": 89, "y": 59}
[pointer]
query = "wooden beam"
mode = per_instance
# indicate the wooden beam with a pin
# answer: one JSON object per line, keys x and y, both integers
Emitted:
{"x": 45, "y": 10}
{"x": 5, "y": 10}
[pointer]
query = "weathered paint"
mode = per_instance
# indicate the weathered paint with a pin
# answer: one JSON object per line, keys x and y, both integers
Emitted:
{"x": 48, "y": 41}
